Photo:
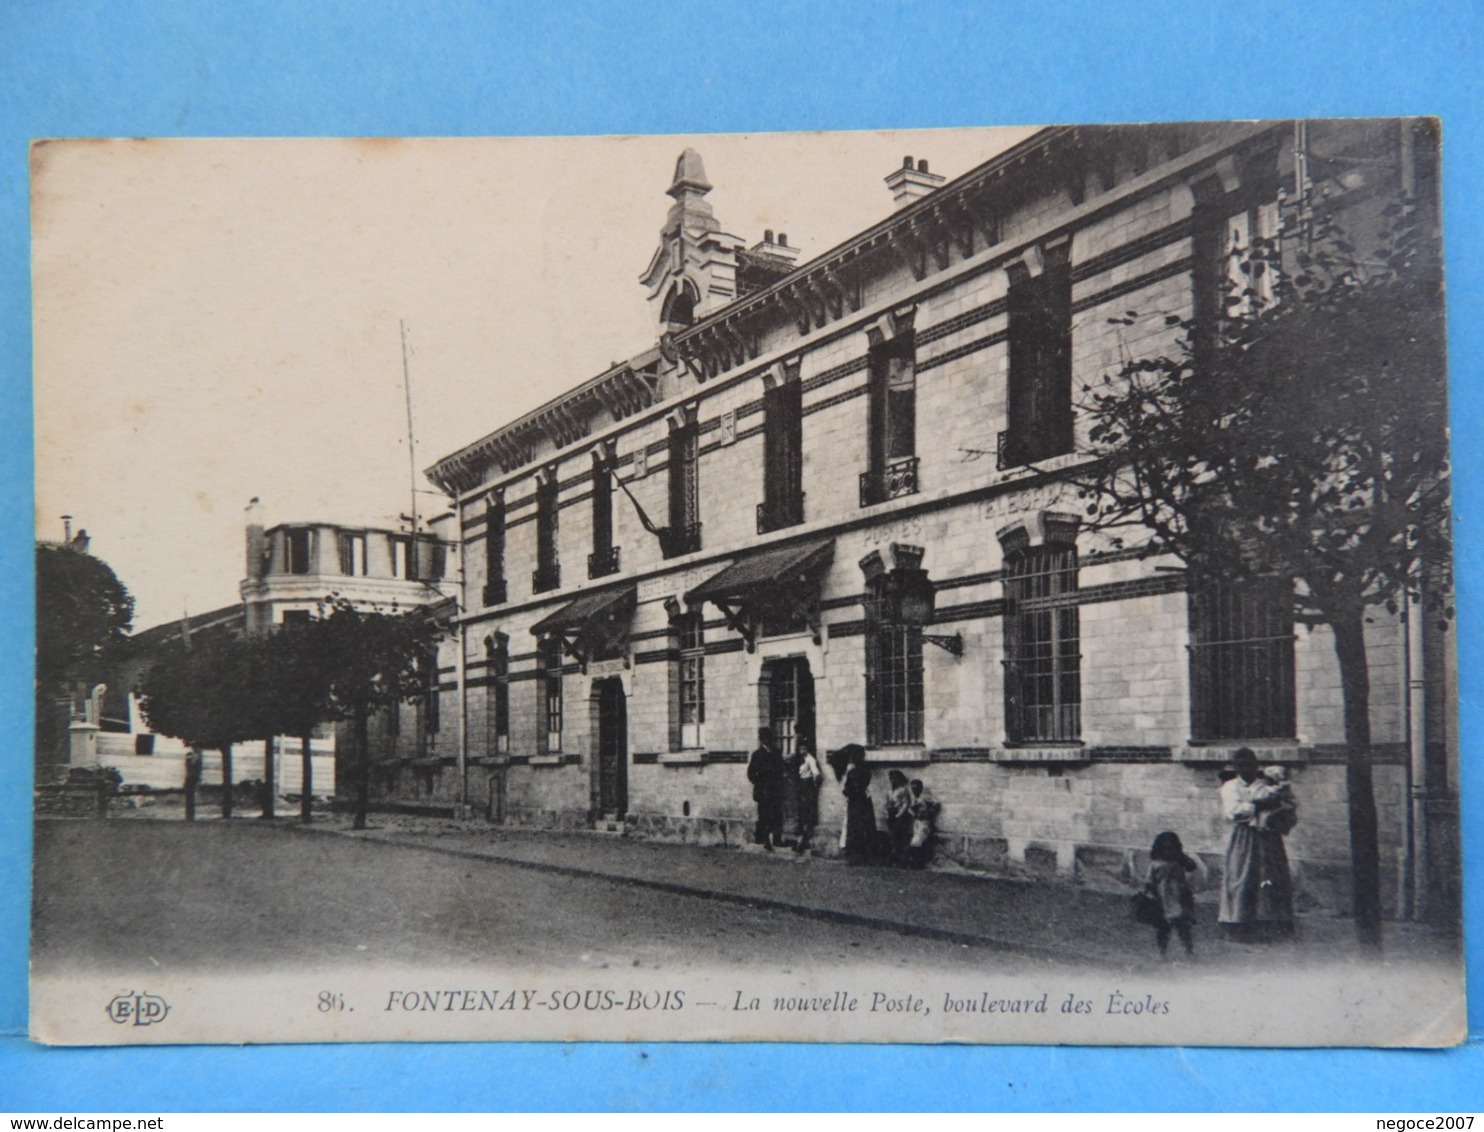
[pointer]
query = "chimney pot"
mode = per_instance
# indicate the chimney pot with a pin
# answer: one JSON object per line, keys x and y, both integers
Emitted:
{"x": 783, "y": 239}
{"x": 907, "y": 162}
{"x": 922, "y": 166}
{"x": 767, "y": 235}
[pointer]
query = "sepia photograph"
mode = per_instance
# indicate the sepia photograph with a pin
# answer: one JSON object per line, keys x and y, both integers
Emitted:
{"x": 936, "y": 586}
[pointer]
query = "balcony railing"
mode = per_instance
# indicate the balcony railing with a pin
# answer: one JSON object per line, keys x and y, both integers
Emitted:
{"x": 675, "y": 541}
{"x": 897, "y": 479}
{"x": 549, "y": 578}
{"x": 775, "y": 514}
{"x": 495, "y": 592}
{"x": 601, "y": 563}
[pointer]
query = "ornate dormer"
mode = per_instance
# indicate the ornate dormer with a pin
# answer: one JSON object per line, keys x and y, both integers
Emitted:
{"x": 694, "y": 270}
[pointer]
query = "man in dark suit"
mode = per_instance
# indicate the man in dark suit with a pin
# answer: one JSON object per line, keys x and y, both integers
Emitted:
{"x": 765, "y": 771}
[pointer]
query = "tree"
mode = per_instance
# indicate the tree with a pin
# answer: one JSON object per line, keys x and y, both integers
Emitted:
{"x": 370, "y": 660}
{"x": 1300, "y": 434}
{"x": 300, "y": 696}
{"x": 196, "y": 692}
{"x": 83, "y": 617}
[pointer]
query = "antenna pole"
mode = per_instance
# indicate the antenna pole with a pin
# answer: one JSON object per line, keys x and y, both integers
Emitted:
{"x": 411, "y": 448}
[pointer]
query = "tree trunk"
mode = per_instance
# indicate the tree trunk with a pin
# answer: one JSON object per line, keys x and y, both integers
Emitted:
{"x": 363, "y": 768}
{"x": 227, "y": 781}
{"x": 192, "y": 780}
{"x": 270, "y": 788}
{"x": 306, "y": 786}
{"x": 1365, "y": 864}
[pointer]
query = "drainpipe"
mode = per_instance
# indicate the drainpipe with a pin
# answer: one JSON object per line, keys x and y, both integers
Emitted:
{"x": 460, "y": 678}
{"x": 1417, "y": 839}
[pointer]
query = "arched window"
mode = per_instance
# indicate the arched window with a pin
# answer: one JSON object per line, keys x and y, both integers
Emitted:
{"x": 679, "y": 310}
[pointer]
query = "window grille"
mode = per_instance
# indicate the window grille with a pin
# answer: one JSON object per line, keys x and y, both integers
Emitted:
{"x": 1043, "y": 680}
{"x": 1241, "y": 659}
{"x": 894, "y": 690}
{"x": 684, "y": 536}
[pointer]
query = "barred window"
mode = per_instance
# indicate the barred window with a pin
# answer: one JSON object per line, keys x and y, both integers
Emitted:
{"x": 893, "y": 685}
{"x": 551, "y": 695}
{"x": 1241, "y": 659}
{"x": 1043, "y": 679}
{"x": 692, "y": 679}
{"x": 498, "y": 651}
{"x": 684, "y": 536}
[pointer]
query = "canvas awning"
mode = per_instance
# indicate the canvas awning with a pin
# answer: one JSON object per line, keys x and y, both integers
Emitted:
{"x": 594, "y": 622}
{"x": 786, "y": 566}
{"x": 780, "y": 583}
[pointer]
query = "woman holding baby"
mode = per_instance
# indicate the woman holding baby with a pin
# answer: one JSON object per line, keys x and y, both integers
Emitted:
{"x": 1257, "y": 887}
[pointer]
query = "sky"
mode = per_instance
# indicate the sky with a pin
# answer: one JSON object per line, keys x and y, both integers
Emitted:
{"x": 218, "y": 320}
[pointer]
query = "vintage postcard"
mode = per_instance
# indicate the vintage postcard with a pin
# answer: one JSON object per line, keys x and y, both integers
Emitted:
{"x": 943, "y": 586}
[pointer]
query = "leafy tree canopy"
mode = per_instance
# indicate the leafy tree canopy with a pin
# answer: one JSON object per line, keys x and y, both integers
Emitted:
{"x": 83, "y": 616}
{"x": 1308, "y": 437}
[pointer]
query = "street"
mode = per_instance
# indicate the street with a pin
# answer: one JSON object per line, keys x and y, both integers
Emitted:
{"x": 245, "y": 896}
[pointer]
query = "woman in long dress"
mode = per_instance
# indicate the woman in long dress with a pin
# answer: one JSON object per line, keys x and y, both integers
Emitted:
{"x": 1256, "y": 886}
{"x": 858, "y": 836}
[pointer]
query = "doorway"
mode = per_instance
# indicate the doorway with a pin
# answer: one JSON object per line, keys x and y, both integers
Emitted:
{"x": 612, "y": 800}
{"x": 789, "y": 710}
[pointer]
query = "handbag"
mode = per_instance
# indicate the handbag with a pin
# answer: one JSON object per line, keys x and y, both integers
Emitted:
{"x": 1148, "y": 908}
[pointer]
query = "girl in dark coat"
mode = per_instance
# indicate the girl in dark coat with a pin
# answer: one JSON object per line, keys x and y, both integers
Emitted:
{"x": 1170, "y": 887}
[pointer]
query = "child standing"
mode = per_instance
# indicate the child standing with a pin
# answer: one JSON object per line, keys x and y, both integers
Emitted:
{"x": 1170, "y": 887}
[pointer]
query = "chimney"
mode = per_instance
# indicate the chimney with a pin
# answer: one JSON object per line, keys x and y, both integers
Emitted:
{"x": 912, "y": 182}
{"x": 257, "y": 543}
{"x": 776, "y": 248}
{"x": 66, "y": 528}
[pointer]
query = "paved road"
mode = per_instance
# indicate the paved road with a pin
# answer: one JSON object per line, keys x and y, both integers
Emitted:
{"x": 244, "y": 896}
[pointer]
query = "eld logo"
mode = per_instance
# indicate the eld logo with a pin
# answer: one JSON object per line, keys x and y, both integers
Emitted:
{"x": 140, "y": 1009}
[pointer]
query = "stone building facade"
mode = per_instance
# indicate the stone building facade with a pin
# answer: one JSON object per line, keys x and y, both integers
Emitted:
{"x": 834, "y": 499}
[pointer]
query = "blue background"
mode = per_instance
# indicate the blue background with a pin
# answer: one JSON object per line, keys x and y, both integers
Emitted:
{"x": 337, "y": 67}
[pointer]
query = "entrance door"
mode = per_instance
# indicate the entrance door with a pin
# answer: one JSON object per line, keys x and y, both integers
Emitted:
{"x": 791, "y": 716}
{"x": 613, "y": 748}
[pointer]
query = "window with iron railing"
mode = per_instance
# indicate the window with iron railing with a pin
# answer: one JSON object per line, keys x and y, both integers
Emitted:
{"x": 548, "y": 572}
{"x": 1043, "y": 676}
{"x": 495, "y": 592}
{"x": 892, "y": 425}
{"x": 1241, "y": 659}
{"x": 604, "y": 558}
{"x": 1039, "y": 401}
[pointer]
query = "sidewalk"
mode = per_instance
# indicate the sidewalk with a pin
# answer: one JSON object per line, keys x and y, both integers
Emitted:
{"x": 1053, "y": 922}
